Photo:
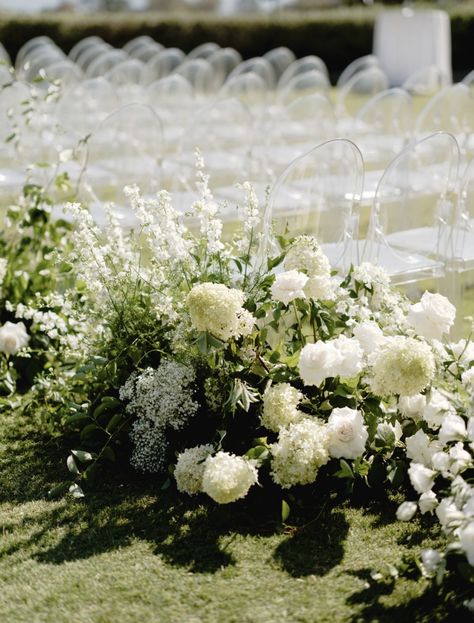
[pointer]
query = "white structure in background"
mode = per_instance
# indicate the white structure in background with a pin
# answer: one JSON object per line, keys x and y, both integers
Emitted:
{"x": 406, "y": 41}
{"x": 38, "y": 6}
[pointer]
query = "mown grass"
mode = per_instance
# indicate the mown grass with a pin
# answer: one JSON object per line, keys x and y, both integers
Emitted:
{"x": 130, "y": 552}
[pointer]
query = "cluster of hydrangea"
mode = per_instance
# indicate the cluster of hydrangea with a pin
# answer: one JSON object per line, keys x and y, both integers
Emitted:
{"x": 280, "y": 406}
{"x": 218, "y": 309}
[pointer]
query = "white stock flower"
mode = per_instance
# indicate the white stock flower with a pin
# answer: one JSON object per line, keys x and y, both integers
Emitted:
{"x": 280, "y": 406}
{"x": 340, "y": 357}
{"x": 427, "y": 502}
{"x": 432, "y": 316}
{"x": 13, "y": 337}
{"x": 412, "y": 406}
{"x": 437, "y": 407}
{"x": 347, "y": 433}
{"x": 403, "y": 366}
{"x": 189, "y": 468}
{"x": 406, "y": 510}
{"x": 464, "y": 351}
{"x": 421, "y": 477}
{"x": 452, "y": 428}
{"x": 228, "y": 477}
{"x": 448, "y": 514}
{"x": 301, "y": 449}
{"x": 466, "y": 537}
{"x": 371, "y": 275}
{"x": 441, "y": 462}
{"x": 420, "y": 449}
{"x": 461, "y": 459}
{"x": 218, "y": 309}
{"x": 289, "y": 286}
{"x": 369, "y": 335}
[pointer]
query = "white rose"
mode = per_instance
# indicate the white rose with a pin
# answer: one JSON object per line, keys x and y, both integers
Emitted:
{"x": 421, "y": 477}
{"x": 448, "y": 514}
{"x": 441, "y": 462}
{"x": 13, "y": 337}
{"x": 453, "y": 428}
{"x": 347, "y": 433}
{"x": 369, "y": 335}
{"x": 412, "y": 406}
{"x": 321, "y": 288}
{"x": 289, "y": 286}
{"x": 432, "y": 316}
{"x": 350, "y": 363}
{"x": 318, "y": 361}
{"x": 466, "y": 536}
{"x": 406, "y": 510}
{"x": 420, "y": 449}
{"x": 427, "y": 502}
{"x": 461, "y": 459}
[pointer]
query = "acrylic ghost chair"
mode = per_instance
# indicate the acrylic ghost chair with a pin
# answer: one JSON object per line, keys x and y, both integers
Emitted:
{"x": 259, "y": 66}
{"x": 411, "y": 224}
{"x": 198, "y": 72}
{"x": 124, "y": 149}
{"x": 318, "y": 194}
{"x": 137, "y": 42}
{"x": 250, "y": 89}
{"x": 126, "y": 78}
{"x": 223, "y": 61}
{"x": 104, "y": 62}
{"x": 163, "y": 64}
{"x": 145, "y": 51}
{"x": 205, "y": 50}
{"x": 31, "y": 48}
{"x": 351, "y": 96}
{"x": 426, "y": 81}
{"x": 306, "y": 83}
{"x": 359, "y": 64}
{"x": 280, "y": 59}
{"x": 83, "y": 45}
{"x": 90, "y": 53}
{"x": 302, "y": 66}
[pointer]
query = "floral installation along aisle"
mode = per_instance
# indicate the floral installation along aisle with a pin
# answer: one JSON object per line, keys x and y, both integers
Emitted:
{"x": 191, "y": 359}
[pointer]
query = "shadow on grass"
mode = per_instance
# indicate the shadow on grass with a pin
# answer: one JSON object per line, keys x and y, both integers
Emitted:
{"x": 185, "y": 532}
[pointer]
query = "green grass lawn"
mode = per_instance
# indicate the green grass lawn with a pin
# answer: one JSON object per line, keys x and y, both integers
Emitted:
{"x": 130, "y": 552}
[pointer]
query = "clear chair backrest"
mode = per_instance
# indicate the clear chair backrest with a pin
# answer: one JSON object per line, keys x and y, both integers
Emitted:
{"x": 426, "y": 81}
{"x": 83, "y": 45}
{"x": 146, "y": 51}
{"x": 29, "y": 47}
{"x": 359, "y": 89}
{"x": 198, "y": 72}
{"x": 258, "y": 66}
{"x": 36, "y": 65}
{"x": 7, "y": 75}
{"x": 302, "y": 84}
{"x": 315, "y": 114}
{"x": 13, "y": 100}
{"x": 163, "y": 64}
{"x": 105, "y": 62}
{"x": 82, "y": 107}
{"x": 91, "y": 52}
{"x": 416, "y": 193}
{"x": 280, "y": 59}
{"x": 137, "y": 43}
{"x": 384, "y": 126}
{"x": 468, "y": 80}
{"x": 65, "y": 72}
{"x": 205, "y": 50}
{"x": 248, "y": 88}
{"x": 136, "y": 134}
{"x": 466, "y": 198}
{"x": 169, "y": 92}
{"x": 4, "y": 56}
{"x": 128, "y": 72}
{"x": 318, "y": 194}
{"x": 223, "y": 61}
{"x": 451, "y": 110}
{"x": 301, "y": 66}
{"x": 359, "y": 64}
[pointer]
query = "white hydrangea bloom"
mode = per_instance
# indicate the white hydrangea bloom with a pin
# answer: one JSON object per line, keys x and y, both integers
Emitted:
{"x": 189, "y": 468}
{"x": 306, "y": 255}
{"x": 432, "y": 316}
{"x": 347, "y": 433}
{"x": 412, "y": 406}
{"x": 228, "y": 477}
{"x": 280, "y": 406}
{"x": 421, "y": 477}
{"x": 300, "y": 451}
{"x": 403, "y": 366}
{"x": 342, "y": 357}
{"x": 406, "y": 511}
{"x": 218, "y": 309}
{"x": 13, "y": 337}
{"x": 289, "y": 286}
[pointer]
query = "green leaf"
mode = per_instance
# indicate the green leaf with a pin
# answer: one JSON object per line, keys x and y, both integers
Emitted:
{"x": 117, "y": 420}
{"x": 206, "y": 342}
{"x": 385, "y": 436}
{"x": 285, "y": 511}
{"x": 108, "y": 453}
{"x": 345, "y": 470}
{"x": 58, "y": 491}
{"x": 77, "y": 419}
{"x": 396, "y": 473}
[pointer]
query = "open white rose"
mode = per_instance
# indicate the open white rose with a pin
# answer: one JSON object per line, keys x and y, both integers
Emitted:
{"x": 452, "y": 428}
{"x": 421, "y": 477}
{"x": 369, "y": 335}
{"x": 437, "y": 407}
{"x": 427, "y": 502}
{"x": 13, "y": 337}
{"x": 430, "y": 560}
{"x": 432, "y": 316}
{"x": 289, "y": 286}
{"x": 421, "y": 449}
{"x": 448, "y": 514}
{"x": 412, "y": 406}
{"x": 347, "y": 433}
{"x": 340, "y": 357}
